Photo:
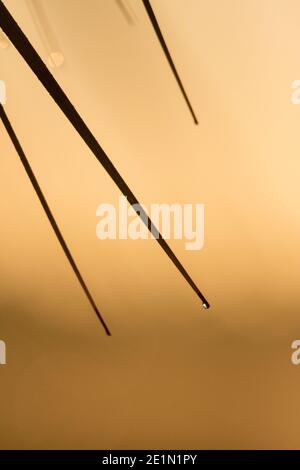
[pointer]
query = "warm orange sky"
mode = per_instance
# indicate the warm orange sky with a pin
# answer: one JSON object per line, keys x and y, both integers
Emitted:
{"x": 172, "y": 375}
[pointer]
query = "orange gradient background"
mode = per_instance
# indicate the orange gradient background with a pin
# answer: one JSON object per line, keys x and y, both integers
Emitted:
{"x": 172, "y": 375}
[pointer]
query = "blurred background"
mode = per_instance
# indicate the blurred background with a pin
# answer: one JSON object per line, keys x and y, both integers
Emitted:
{"x": 172, "y": 375}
